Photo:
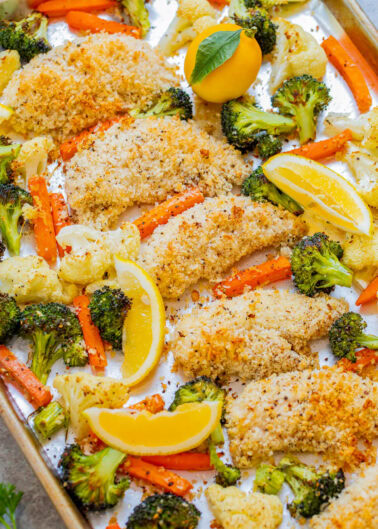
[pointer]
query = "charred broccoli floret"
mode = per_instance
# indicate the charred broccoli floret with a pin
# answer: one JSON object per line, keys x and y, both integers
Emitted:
{"x": 50, "y": 419}
{"x": 347, "y": 334}
{"x": 267, "y": 145}
{"x": 316, "y": 266}
{"x": 28, "y": 36}
{"x": 173, "y": 102}
{"x": 198, "y": 390}
{"x": 137, "y": 13}
{"x": 227, "y": 475}
{"x": 8, "y": 152}
{"x": 55, "y": 333}
{"x": 164, "y": 511}
{"x": 250, "y": 14}
{"x": 242, "y": 121}
{"x": 260, "y": 189}
{"x": 269, "y": 479}
{"x": 9, "y": 317}
{"x": 108, "y": 307}
{"x": 312, "y": 488}
{"x": 90, "y": 480}
{"x": 12, "y": 200}
{"x": 302, "y": 97}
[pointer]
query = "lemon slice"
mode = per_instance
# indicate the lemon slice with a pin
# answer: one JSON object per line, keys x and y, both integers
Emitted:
{"x": 144, "y": 433}
{"x": 144, "y": 326}
{"x": 5, "y": 112}
{"x": 320, "y": 190}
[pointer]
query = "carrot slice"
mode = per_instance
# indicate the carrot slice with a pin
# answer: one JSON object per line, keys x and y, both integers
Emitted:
{"x": 365, "y": 357}
{"x": 158, "y": 476}
{"x": 352, "y": 74}
{"x": 80, "y": 20}
{"x": 183, "y": 461}
{"x": 61, "y": 217}
{"x": 153, "y": 404}
{"x": 43, "y": 222}
{"x": 170, "y": 208}
{"x": 24, "y": 379}
{"x": 263, "y": 274}
{"x": 59, "y": 8}
{"x": 93, "y": 341}
{"x": 369, "y": 294}
{"x": 323, "y": 149}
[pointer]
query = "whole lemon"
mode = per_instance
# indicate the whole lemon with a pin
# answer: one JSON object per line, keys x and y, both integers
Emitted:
{"x": 233, "y": 78}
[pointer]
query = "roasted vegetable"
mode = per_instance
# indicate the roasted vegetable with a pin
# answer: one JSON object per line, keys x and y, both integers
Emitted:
{"x": 12, "y": 200}
{"x": 50, "y": 419}
{"x": 173, "y": 102}
{"x": 347, "y": 334}
{"x": 9, "y": 317}
{"x": 27, "y": 36}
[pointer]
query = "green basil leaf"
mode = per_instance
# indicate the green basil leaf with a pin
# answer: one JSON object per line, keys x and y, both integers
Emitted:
{"x": 213, "y": 52}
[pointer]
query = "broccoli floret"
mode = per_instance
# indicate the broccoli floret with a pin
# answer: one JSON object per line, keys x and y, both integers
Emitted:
{"x": 138, "y": 14}
{"x": 90, "y": 480}
{"x": 312, "y": 488}
{"x": 316, "y": 266}
{"x": 347, "y": 334}
{"x": 242, "y": 121}
{"x": 8, "y": 152}
{"x": 9, "y": 317}
{"x": 302, "y": 97}
{"x": 164, "y": 511}
{"x": 198, "y": 390}
{"x": 108, "y": 307}
{"x": 12, "y": 200}
{"x": 260, "y": 189}
{"x": 251, "y": 15}
{"x": 173, "y": 102}
{"x": 269, "y": 479}
{"x": 50, "y": 419}
{"x": 56, "y": 333}
{"x": 28, "y": 36}
{"x": 267, "y": 145}
{"x": 227, "y": 475}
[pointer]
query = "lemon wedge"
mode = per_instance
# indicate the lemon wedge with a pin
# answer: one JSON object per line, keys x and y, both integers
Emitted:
{"x": 163, "y": 433}
{"x": 144, "y": 327}
{"x": 5, "y": 112}
{"x": 320, "y": 190}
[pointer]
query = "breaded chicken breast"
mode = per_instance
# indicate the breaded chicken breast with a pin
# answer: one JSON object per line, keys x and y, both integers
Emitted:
{"x": 327, "y": 412}
{"x": 85, "y": 81}
{"x": 254, "y": 335}
{"x": 355, "y": 508}
{"x": 207, "y": 239}
{"x": 144, "y": 163}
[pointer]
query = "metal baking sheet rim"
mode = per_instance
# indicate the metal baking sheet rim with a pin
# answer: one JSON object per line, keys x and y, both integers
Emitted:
{"x": 363, "y": 33}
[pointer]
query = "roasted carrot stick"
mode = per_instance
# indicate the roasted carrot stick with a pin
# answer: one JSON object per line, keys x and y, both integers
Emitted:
{"x": 153, "y": 404}
{"x": 82, "y": 21}
{"x": 93, "y": 341}
{"x": 59, "y": 8}
{"x": 113, "y": 525}
{"x": 183, "y": 461}
{"x": 158, "y": 476}
{"x": 365, "y": 358}
{"x": 43, "y": 222}
{"x": 369, "y": 294}
{"x": 263, "y": 274}
{"x": 344, "y": 63}
{"x": 20, "y": 375}
{"x": 318, "y": 150}
{"x": 170, "y": 208}
{"x": 61, "y": 217}
{"x": 34, "y": 3}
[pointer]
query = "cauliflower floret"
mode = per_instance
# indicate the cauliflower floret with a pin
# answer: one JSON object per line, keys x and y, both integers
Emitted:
{"x": 364, "y": 166}
{"x": 235, "y": 509}
{"x": 81, "y": 391}
{"x": 30, "y": 280}
{"x": 92, "y": 251}
{"x": 296, "y": 53}
{"x": 192, "y": 17}
{"x": 33, "y": 157}
{"x": 361, "y": 252}
{"x": 364, "y": 128}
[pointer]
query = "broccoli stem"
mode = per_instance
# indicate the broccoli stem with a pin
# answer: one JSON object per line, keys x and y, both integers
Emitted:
{"x": 307, "y": 126}
{"x": 217, "y": 435}
{"x": 9, "y": 229}
{"x": 368, "y": 340}
{"x": 109, "y": 463}
{"x": 334, "y": 271}
{"x": 50, "y": 420}
{"x": 44, "y": 355}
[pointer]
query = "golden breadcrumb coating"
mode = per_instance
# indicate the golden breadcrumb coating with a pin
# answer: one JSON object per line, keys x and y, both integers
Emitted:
{"x": 85, "y": 81}
{"x": 355, "y": 508}
{"x": 254, "y": 335}
{"x": 145, "y": 162}
{"x": 326, "y": 412}
{"x": 207, "y": 239}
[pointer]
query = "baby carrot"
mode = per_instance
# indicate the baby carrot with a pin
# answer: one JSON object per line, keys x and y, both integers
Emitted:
{"x": 61, "y": 217}
{"x": 364, "y": 358}
{"x": 369, "y": 294}
{"x": 183, "y": 461}
{"x": 318, "y": 150}
{"x": 80, "y": 20}
{"x": 59, "y": 8}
